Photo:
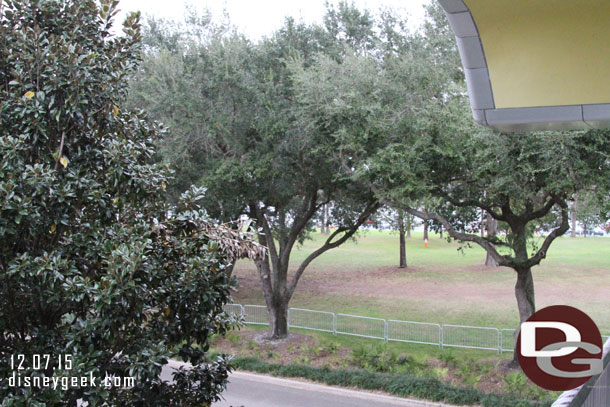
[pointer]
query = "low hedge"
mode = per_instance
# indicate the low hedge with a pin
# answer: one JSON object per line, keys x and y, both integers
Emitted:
{"x": 399, "y": 385}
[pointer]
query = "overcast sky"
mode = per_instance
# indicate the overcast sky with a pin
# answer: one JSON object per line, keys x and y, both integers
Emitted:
{"x": 257, "y": 18}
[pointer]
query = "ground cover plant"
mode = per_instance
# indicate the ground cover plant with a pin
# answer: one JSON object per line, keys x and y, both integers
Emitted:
{"x": 399, "y": 369}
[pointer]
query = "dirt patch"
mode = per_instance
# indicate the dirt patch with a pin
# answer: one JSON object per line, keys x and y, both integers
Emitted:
{"x": 295, "y": 349}
{"x": 474, "y": 284}
{"x": 386, "y": 282}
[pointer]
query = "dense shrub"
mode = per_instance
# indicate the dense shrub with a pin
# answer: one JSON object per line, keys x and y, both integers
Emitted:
{"x": 95, "y": 267}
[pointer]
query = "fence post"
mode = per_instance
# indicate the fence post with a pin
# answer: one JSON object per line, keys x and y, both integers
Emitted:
{"x": 385, "y": 330}
{"x": 242, "y": 311}
{"x": 334, "y": 324}
{"x": 442, "y": 336}
{"x": 499, "y": 342}
{"x": 288, "y": 322}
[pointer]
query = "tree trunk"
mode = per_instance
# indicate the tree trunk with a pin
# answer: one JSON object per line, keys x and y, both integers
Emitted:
{"x": 326, "y": 230}
{"x": 490, "y": 261}
{"x": 492, "y": 229}
{"x": 408, "y": 233}
{"x": 482, "y": 223}
{"x": 401, "y": 232}
{"x": 323, "y": 222}
{"x": 425, "y": 230}
{"x": 277, "y": 307}
{"x": 278, "y": 319}
{"x": 584, "y": 229}
{"x": 524, "y": 291}
{"x": 573, "y": 219}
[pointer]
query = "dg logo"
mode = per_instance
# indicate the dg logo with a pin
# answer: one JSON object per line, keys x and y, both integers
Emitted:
{"x": 560, "y": 348}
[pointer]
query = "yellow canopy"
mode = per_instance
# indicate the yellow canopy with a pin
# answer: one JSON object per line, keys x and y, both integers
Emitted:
{"x": 535, "y": 64}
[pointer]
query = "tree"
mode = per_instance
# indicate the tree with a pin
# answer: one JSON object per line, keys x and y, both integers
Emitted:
{"x": 325, "y": 226}
{"x": 573, "y": 216}
{"x": 239, "y": 134}
{"x": 404, "y": 128}
{"x": 426, "y": 229}
{"x": 521, "y": 195}
{"x": 96, "y": 269}
{"x": 401, "y": 239}
{"x": 588, "y": 208}
{"x": 400, "y": 222}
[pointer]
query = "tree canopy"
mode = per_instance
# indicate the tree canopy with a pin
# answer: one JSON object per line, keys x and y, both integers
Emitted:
{"x": 239, "y": 132}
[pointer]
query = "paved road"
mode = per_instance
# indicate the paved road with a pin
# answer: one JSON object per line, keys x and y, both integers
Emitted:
{"x": 253, "y": 390}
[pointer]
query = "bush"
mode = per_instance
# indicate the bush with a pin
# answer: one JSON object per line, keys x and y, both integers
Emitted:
{"x": 377, "y": 358}
{"x": 95, "y": 267}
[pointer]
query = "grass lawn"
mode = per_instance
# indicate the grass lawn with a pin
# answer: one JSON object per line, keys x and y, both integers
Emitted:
{"x": 440, "y": 284}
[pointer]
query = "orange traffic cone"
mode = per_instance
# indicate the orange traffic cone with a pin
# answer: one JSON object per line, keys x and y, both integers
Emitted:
{"x": 425, "y": 242}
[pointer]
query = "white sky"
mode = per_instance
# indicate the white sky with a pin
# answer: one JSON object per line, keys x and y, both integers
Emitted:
{"x": 257, "y": 18}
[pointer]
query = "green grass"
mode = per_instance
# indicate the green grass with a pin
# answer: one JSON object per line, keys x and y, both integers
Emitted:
{"x": 441, "y": 284}
{"x": 380, "y": 248}
{"x": 424, "y": 351}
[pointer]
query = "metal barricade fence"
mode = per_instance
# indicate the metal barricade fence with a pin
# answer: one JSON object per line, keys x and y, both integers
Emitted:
{"x": 415, "y": 332}
{"x": 309, "y": 319}
{"x": 256, "y": 314}
{"x": 472, "y": 337}
{"x": 507, "y": 340}
{"x": 456, "y": 336}
{"x": 236, "y": 309}
{"x": 366, "y": 327}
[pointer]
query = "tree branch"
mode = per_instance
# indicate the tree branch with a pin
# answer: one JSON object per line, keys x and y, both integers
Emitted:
{"x": 60, "y": 151}
{"x": 563, "y": 228}
{"x": 466, "y": 237}
{"x": 542, "y": 211}
{"x": 506, "y": 215}
{"x": 472, "y": 202}
{"x": 330, "y": 244}
{"x": 307, "y": 210}
{"x": 270, "y": 243}
{"x": 262, "y": 264}
{"x": 496, "y": 241}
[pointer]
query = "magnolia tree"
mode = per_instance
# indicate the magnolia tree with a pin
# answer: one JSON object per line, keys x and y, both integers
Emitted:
{"x": 98, "y": 275}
